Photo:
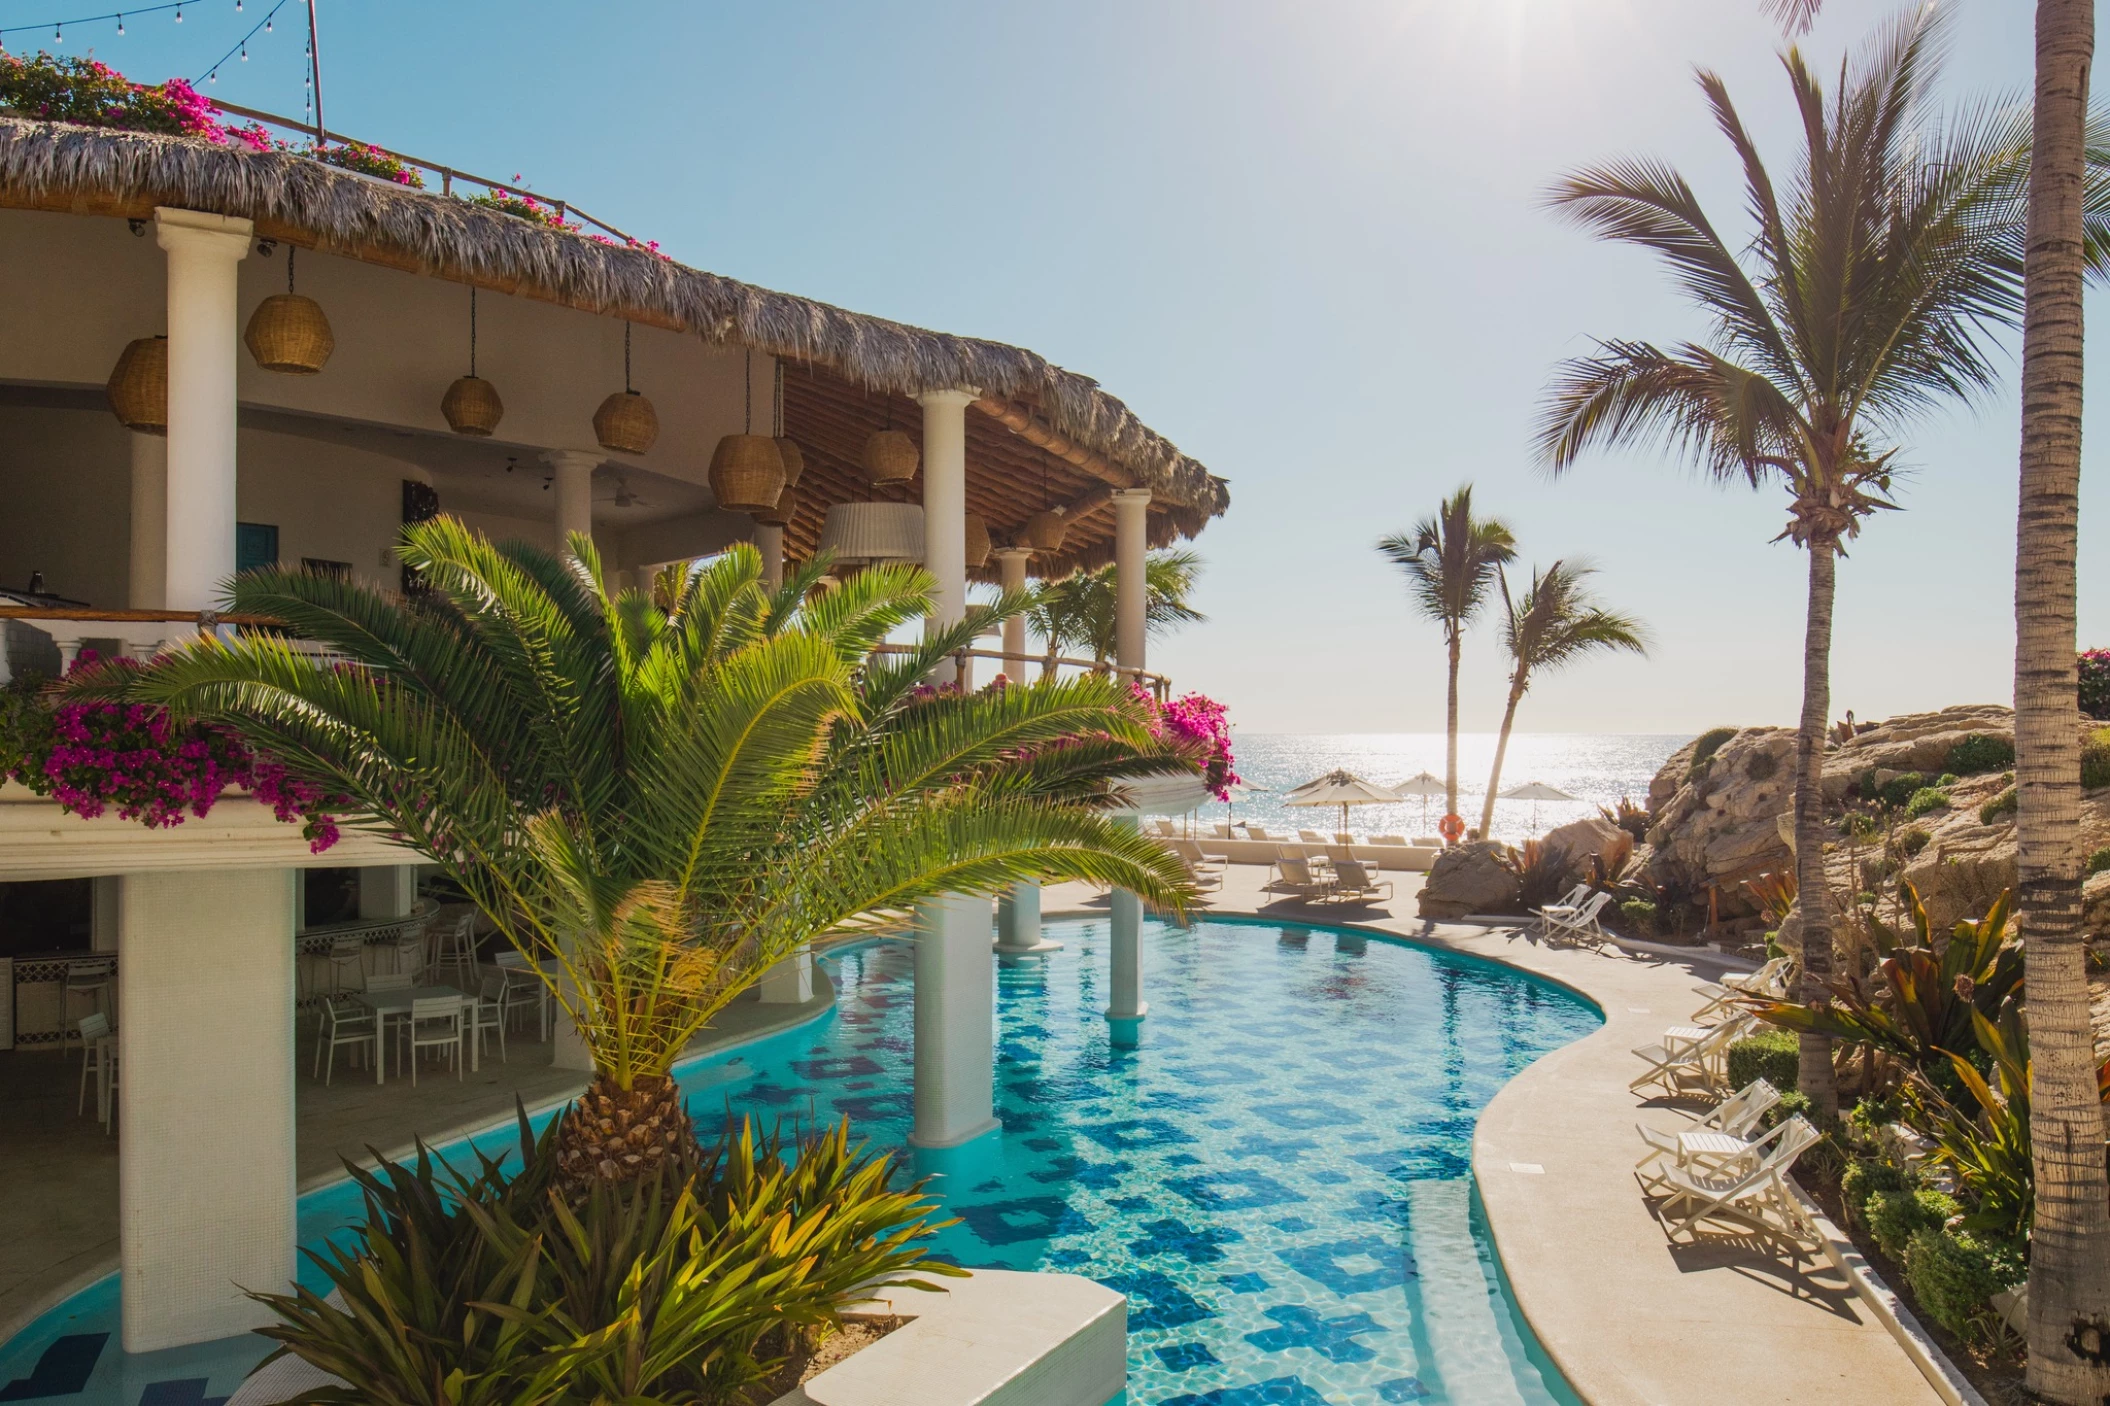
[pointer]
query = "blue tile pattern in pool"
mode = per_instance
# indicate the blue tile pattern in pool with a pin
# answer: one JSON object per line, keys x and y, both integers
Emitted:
{"x": 1277, "y": 1175}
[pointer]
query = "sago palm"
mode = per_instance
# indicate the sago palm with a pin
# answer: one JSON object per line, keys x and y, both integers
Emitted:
{"x": 1451, "y": 560}
{"x": 1081, "y": 611}
{"x": 666, "y": 791}
{"x": 1865, "y": 296}
{"x": 1556, "y": 622}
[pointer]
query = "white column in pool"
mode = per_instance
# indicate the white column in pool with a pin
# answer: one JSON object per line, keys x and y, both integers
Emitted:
{"x": 955, "y": 971}
{"x": 1131, "y": 516}
{"x": 1017, "y": 912}
{"x": 205, "y": 1166}
{"x": 573, "y": 469}
{"x": 146, "y": 585}
{"x": 769, "y": 541}
{"x": 199, "y": 482}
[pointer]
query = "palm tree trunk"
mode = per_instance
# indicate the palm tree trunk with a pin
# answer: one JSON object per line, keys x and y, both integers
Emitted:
{"x": 1450, "y": 727}
{"x": 1814, "y": 895}
{"x": 1494, "y": 779}
{"x": 2069, "y": 1275}
{"x": 617, "y": 1137}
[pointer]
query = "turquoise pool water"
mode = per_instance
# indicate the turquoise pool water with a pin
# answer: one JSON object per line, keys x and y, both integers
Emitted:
{"x": 1277, "y": 1175}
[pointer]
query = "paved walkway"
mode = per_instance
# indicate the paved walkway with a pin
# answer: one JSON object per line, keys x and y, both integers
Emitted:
{"x": 1630, "y": 1319}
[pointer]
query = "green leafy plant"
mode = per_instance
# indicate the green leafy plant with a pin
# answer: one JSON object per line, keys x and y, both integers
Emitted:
{"x": 1927, "y": 798}
{"x": 1640, "y": 915}
{"x": 1948, "y": 779}
{"x": 1893, "y": 1216}
{"x": 1769, "y": 1055}
{"x": 1953, "y": 1274}
{"x": 1774, "y": 893}
{"x": 1540, "y": 870}
{"x": 1998, "y": 808}
{"x": 1709, "y": 742}
{"x": 1863, "y": 1177}
{"x": 1979, "y": 753}
{"x": 1629, "y": 817}
{"x": 1899, "y": 790}
{"x": 2099, "y": 861}
{"x": 2095, "y": 760}
{"x": 1912, "y": 841}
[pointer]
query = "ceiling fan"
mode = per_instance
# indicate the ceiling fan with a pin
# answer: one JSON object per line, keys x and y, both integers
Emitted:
{"x": 623, "y": 497}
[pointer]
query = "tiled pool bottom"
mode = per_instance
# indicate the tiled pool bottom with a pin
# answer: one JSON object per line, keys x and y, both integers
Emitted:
{"x": 1277, "y": 1175}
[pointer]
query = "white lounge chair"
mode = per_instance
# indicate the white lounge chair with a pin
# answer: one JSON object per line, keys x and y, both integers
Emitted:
{"x": 1313, "y": 837}
{"x": 1293, "y": 878}
{"x": 1166, "y": 829}
{"x": 1203, "y": 874}
{"x": 1224, "y": 831}
{"x": 1753, "y": 1191}
{"x": 1354, "y": 880}
{"x": 1563, "y": 907}
{"x": 1769, "y": 983}
{"x": 1735, "y": 1115}
{"x": 1399, "y": 840}
{"x": 1581, "y": 925}
{"x": 1259, "y": 832}
{"x": 1689, "y": 1058}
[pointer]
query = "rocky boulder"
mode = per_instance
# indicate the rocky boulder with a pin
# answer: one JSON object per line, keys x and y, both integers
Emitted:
{"x": 1467, "y": 879}
{"x": 1720, "y": 825}
{"x": 1577, "y": 842}
{"x": 1918, "y": 742}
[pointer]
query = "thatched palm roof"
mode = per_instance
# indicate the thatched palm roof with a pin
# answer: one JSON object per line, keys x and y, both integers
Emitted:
{"x": 97, "y": 171}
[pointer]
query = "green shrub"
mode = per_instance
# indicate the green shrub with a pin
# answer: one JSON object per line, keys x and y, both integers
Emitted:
{"x": 1640, "y": 915}
{"x": 1772, "y": 1055}
{"x": 1925, "y": 799}
{"x": 1978, "y": 753}
{"x": 2099, "y": 861}
{"x": 1793, "y": 1104}
{"x": 1915, "y": 839}
{"x": 2095, "y": 761}
{"x": 1953, "y": 1273}
{"x": 1900, "y": 789}
{"x": 1893, "y": 1216}
{"x": 1863, "y": 1177}
{"x": 1878, "y": 868}
{"x": 1948, "y": 779}
{"x": 1761, "y": 766}
{"x": 1708, "y": 743}
{"x": 2001, "y": 805}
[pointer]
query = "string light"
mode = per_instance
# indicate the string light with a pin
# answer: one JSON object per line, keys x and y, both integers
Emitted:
{"x": 57, "y": 36}
{"x": 120, "y": 24}
{"x": 179, "y": 14}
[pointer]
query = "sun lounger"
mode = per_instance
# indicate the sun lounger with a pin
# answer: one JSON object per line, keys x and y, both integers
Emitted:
{"x": 1312, "y": 837}
{"x": 1564, "y": 907}
{"x": 1399, "y": 840}
{"x": 1293, "y": 878}
{"x": 1259, "y": 832}
{"x": 1689, "y": 1059}
{"x": 1735, "y": 1115}
{"x": 1204, "y": 873}
{"x": 1224, "y": 831}
{"x": 1580, "y": 925}
{"x": 1752, "y": 1191}
{"x": 1357, "y": 881}
{"x": 1769, "y": 982}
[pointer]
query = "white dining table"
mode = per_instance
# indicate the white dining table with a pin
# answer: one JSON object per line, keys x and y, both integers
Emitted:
{"x": 396, "y": 1004}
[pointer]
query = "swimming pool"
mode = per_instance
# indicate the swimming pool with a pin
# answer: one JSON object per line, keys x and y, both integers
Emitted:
{"x": 1277, "y": 1175}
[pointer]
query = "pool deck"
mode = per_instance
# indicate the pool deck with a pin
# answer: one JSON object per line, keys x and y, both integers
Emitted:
{"x": 1629, "y": 1318}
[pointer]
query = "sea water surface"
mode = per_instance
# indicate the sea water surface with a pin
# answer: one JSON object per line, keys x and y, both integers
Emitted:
{"x": 1277, "y": 1175}
{"x": 1596, "y": 768}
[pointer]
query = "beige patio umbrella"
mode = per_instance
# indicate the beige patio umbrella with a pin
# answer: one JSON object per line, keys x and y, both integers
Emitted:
{"x": 1534, "y": 792}
{"x": 1343, "y": 789}
{"x": 1425, "y": 786}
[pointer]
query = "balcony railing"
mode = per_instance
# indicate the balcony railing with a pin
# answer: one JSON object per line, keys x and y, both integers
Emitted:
{"x": 1037, "y": 666}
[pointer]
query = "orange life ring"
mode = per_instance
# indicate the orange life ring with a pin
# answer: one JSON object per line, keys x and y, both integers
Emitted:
{"x": 1452, "y": 828}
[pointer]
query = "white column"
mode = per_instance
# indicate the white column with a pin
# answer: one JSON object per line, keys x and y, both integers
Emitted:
{"x": 205, "y": 1165}
{"x": 955, "y": 1022}
{"x": 1131, "y": 513}
{"x": 945, "y": 503}
{"x": 1011, "y": 575}
{"x": 769, "y": 541}
{"x": 1018, "y": 931}
{"x": 574, "y": 487}
{"x": 387, "y": 890}
{"x": 147, "y": 582}
{"x": 789, "y": 982}
{"x": 203, "y": 251}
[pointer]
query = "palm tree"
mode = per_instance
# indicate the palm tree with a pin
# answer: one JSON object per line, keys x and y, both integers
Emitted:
{"x": 1868, "y": 299}
{"x": 2069, "y": 1273}
{"x": 1079, "y": 611}
{"x": 1554, "y": 623}
{"x": 1451, "y": 559}
{"x": 669, "y": 798}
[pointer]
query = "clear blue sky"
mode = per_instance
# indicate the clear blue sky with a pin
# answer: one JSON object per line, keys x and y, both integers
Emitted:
{"x": 1300, "y": 237}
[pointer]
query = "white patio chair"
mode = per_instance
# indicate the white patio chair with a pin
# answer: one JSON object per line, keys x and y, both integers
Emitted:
{"x": 1753, "y": 1191}
{"x": 1562, "y": 907}
{"x": 524, "y": 989}
{"x": 489, "y": 1013}
{"x": 98, "y": 1048}
{"x": 390, "y": 981}
{"x": 1166, "y": 829}
{"x": 1769, "y": 982}
{"x": 344, "y": 1022}
{"x": 1353, "y": 879}
{"x": 1259, "y": 832}
{"x": 1582, "y": 925}
{"x": 1293, "y": 878}
{"x": 1679, "y": 1064}
{"x": 89, "y": 979}
{"x": 435, "y": 1023}
{"x": 1313, "y": 837}
{"x": 1735, "y": 1115}
{"x": 408, "y": 952}
{"x": 347, "y": 959}
{"x": 454, "y": 950}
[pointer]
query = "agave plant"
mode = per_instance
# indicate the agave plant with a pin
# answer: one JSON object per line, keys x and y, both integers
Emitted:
{"x": 665, "y": 791}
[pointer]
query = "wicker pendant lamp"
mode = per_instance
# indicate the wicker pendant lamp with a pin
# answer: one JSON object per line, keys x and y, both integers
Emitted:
{"x": 747, "y": 472}
{"x": 626, "y": 421}
{"x": 782, "y": 511}
{"x": 139, "y": 386}
{"x": 890, "y": 456}
{"x": 787, "y": 448}
{"x": 471, "y": 405}
{"x": 1046, "y": 529}
{"x": 288, "y": 333}
{"x": 977, "y": 534}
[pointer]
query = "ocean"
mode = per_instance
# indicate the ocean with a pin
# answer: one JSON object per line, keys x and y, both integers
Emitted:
{"x": 1597, "y": 768}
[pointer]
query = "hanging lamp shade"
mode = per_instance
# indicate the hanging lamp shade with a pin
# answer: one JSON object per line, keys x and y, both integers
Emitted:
{"x": 139, "y": 386}
{"x": 977, "y": 533}
{"x": 472, "y": 406}
{"x": 289, "y": 334}
{"x": 794, "y": 459}
{"x": 747, "y": 473}
{"x": 874, "y": 532}
{"x": 890, "y": 457}
{"x": 626, "y": 423}
{"x": 781, "y": 512}
{"x": 1045, "y": 530}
